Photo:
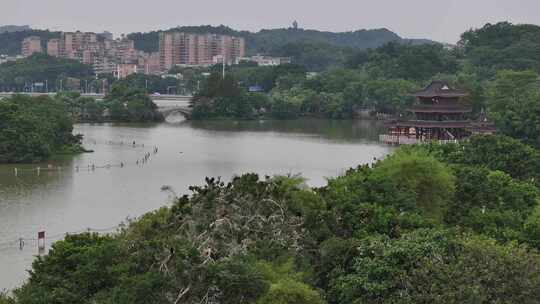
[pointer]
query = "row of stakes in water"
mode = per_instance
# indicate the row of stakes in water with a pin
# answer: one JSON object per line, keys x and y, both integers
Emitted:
{"x": 91, "y": 167}
{"x": 121, "y": 143}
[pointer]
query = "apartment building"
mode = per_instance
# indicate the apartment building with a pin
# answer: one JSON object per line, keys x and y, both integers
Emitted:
{"x": 77, "y": 41}
{"x": 123, "y": 70}
{"x": 31, "y": 45}
{"x": 55, "y": 48}
{"x": 178, "y": 48}
{"x": 123, "y": 49}
{"x": 105, "y": 54}
{"x": 149, "y": 63}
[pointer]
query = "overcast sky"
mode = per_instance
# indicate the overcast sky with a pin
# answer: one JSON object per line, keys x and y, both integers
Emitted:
{"x": 433, "y": 19}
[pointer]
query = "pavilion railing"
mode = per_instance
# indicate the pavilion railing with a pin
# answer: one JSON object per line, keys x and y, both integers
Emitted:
{"x": 404, "y": 140}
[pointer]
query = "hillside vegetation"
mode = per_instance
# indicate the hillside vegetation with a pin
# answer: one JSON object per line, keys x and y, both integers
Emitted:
{"x": 10, "y": 42}
{"x": 14, "y": 28}
{"x": 270, "y": 40}
{"x": 18, "y": 76}
{"x": 32, "y": 129}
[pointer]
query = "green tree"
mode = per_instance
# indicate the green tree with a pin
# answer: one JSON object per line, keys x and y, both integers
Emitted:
{"x": 503, "y": 46}
{"x": 491, "y": 203}
{"x": 515, "y": 105}
{"x": 496, "y": 152}
{"x": 430, "y": 182}
{"x": 134, "y": 105}
{"x": 32, "y": 129}
{"x": 289, "y": 291}
{"x": 436, "y": 266}
{"x": 532, "y": 228}
{"x": 18, "y": 76}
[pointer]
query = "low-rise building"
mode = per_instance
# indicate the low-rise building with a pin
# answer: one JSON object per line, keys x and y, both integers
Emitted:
{"x": 6, "y": 58}
{"x": 262, "y": 60}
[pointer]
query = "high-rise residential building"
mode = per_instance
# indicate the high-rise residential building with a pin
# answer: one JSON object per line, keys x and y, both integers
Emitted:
{"x": 31, "y": 45}
{"x": 104, "y": 65}
{"x": 74, "y": 42}
{"x": 167, "y": 49}
{"x": 123, "y": 49}
{"x": 149, "y": 64}
{"x": 177, "y": 48}
{"x": 104, "y": 54}
{"x": 55, "y": 47}
{"x": 123, "y": 70}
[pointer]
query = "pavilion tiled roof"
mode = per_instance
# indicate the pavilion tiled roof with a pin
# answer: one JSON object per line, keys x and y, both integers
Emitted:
{"x": 439, "y": 89}
{"x": 430, "y": 123}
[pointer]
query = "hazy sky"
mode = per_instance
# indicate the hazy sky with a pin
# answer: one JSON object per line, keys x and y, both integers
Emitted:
{"x": 433, "y": 19}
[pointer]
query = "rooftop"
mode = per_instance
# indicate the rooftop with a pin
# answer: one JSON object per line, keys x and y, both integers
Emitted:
{"x": 430, "y": 123}
{"x": 439, "y": 89}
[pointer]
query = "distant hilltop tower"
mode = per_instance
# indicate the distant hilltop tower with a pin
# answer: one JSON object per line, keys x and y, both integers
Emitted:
{"x": 295, "y": 25}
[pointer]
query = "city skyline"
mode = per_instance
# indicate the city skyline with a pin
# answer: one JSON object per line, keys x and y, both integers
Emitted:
{"x": 413, "y": 19}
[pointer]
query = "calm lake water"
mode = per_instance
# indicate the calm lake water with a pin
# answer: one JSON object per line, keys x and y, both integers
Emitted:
{"x": 71, "y": 200}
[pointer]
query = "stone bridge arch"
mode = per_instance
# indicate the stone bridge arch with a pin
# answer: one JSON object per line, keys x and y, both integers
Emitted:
{"x": 185, "y": 111}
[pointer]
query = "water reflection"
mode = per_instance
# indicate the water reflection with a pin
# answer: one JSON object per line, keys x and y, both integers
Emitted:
{"x": 335, "y": 130}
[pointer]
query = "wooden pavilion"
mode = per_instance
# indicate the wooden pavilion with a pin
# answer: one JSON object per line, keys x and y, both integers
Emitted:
{"x": 438, "y": 115}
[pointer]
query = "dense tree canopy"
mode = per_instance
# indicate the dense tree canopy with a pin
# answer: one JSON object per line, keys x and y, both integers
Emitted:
{"x": 266, "y": 41}
{"x": 11, "y": 41}
{"x": 32, "y": 129}
{"x": 413, "y": 62}
{"x": 19, "y": 76}
{"x": 514, "y": 103}
{"x": 503, "y": 46}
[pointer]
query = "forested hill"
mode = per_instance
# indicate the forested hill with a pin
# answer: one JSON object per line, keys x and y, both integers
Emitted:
{"x": 10, "y": 42}
{"x": 267, "y": 41}
{"x": 503, "y": 46}
{"x": 264, "y": 41}
{"x": 14, "y": 28}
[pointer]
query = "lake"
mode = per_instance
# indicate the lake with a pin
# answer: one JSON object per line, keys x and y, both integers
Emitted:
{"x": 100, "y": 190}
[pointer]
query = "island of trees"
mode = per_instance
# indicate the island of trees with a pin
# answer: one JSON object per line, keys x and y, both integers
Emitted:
{"x": 33, "y": 129}
{"x": 122, "y": 104}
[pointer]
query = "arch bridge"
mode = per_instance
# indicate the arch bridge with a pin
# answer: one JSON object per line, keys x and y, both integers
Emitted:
{"x": 184, "y": 110}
